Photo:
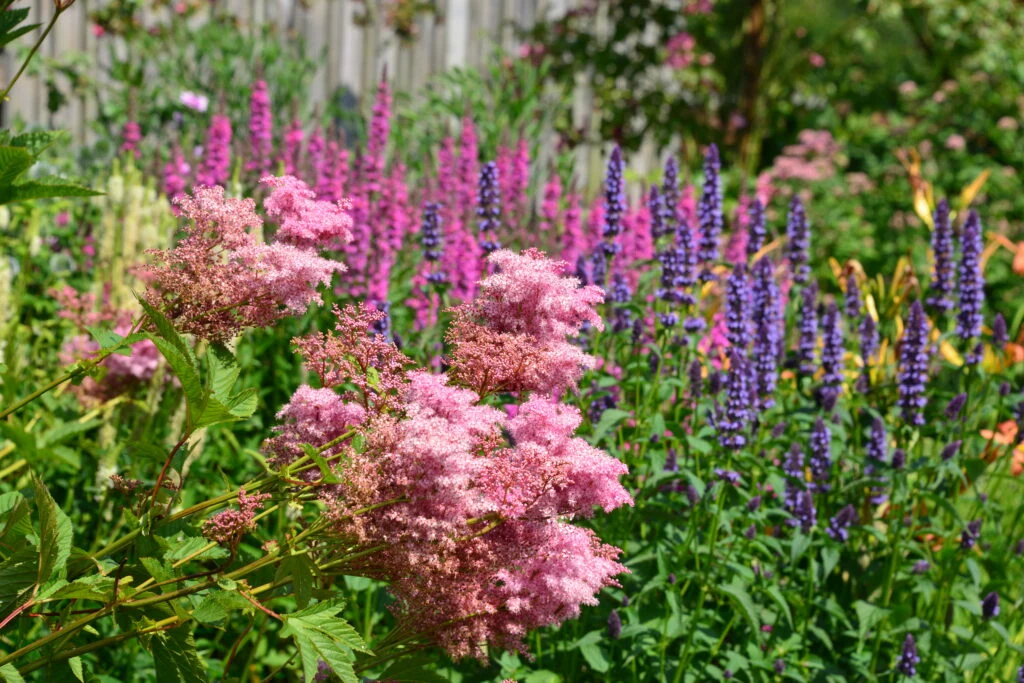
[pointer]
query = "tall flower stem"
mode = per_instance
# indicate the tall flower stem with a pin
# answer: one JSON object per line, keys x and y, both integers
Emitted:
{"x": 60, "y": 7}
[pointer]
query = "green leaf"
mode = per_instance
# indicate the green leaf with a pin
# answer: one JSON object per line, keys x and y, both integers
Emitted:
{"x": 320, "y": 635}
{"x": 108, "y": 339}
{"x": 17, "y": 578}
{"x": 14, "y": 511}
{"x": 301, "y": 570}
{"x": 54, "y": 535}
{"x": 218, "y": 606}
{"x": 187, "y": 374}
{"x": 609, "y": 420}
{"x": 224, "y": 371}
{"x": 75, "y": 663}
{"x": 165, "y": 329}
{"x": 180, "y": 549}
{"x": 868, "y": 616}
{"x": 239, "y": 407}
{"x": 36, "y": 141}
{"x": 66, "y": 430}
{"x": 738, "y": 592}
{"x": 45, "y": 188}
{"x": 92, "y": 587}
{"x": 10, "y": 674}
{"x": 594, "y": 655}
{"x": 176, "y": 659}
{"x": 13, "y": 162}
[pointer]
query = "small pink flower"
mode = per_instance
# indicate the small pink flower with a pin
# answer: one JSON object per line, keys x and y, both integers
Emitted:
{"x": 956, "y": 142}
{"x": 62, "y": 218}
{"x": 98, "y": 31}
{"x": 816, "y": 60}
{"x": 907, "y": 88}
{"x": 194, "y": 101}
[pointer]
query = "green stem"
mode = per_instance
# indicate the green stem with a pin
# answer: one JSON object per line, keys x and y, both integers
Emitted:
{"x": 32, "y": 53}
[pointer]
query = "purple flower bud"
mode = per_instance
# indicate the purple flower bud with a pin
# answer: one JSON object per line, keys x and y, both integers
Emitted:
{"x": 750, "y": 533}
{"x": 691, "y": 494}
{"x": 671, "y": 579}
{"x": 1019, "y": 548}
{"x": 728, "y": 476}
{"x": 956, "y": 404}
{"x": 970, "y": 535}
{"x": 1020, "y": 675}
{"x": 832, "y": 359}
{"x": 921, "y": 566}
{"x": 804, "y": 514}
{"x": 838, "y": 526}
{"x": 808, "y": 344}
{"x": 430, "y": 234}
{"x": 625, "y": 601}
{"x": 899, "y": 459}
{"x": 671, "y": 461}
{"x": 908, "y": 659}
{"x": 614, "y": 625}
{"x": 950, "y": 450}
{"x": 990, "y": 606}
{"x": 753, "y": 504}
{"x": 732, "y": 421}
{"x": 715, "y": 382}
{"x": 709, "y": 212}
{"x": 779, "y": 429}
{"x": 1000, "y": 336}
{"x": 696, "y": 377}
{"x": 972, "y": 281}
{"x": 821, "y": 455}
{"x": 798, "y": 241}
{"x": 598, "y": 268}
{"x": 852, "y": 298}
{"x": 488, "y": 210}
{"x": 914, "y": 357}
{"x": 941, "y": 287}
{"x": 757, "y": 232}
{"x": 1005, "y": 389}
{"x": 670, "y": 194}
{"x": 737, "y": 312}
{"x": 779, "y": 666}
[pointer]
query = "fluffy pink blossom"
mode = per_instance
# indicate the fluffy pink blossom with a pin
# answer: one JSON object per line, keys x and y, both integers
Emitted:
{"x": 228, "y": 526}
{"x": 314, "y": 417}
{"x": 529, "y": 294}
{"x": 194, "y": 101}
{"x": 680, "y": 50}
{"x": 219, "y": 279}
{"x": 302, "y": 220}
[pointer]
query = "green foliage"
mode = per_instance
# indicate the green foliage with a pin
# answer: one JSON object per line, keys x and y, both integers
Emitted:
{"x": 17, "y": 155}
{"x": 322, "y": 636}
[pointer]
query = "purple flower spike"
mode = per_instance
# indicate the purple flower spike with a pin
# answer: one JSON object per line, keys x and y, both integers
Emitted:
{"x": 913, "y": 376}
{"x": 972, "y": 282}
{"x": 798, "y": 236}
{"x": 709, "y": 212}
{"x": 941, "y": 287}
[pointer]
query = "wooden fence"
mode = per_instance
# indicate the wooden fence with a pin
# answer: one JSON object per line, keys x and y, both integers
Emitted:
{"x": 355, "y": 55}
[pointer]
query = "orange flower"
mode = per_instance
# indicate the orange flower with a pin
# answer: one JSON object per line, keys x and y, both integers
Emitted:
{"x": 1005, "y": 435}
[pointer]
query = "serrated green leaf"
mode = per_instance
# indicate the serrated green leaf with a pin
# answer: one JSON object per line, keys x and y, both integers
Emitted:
{"x": 9, "y": 674}
{"x": 107, "y": 339}
{"x": 66, "y": 430}
{"x": 187, "y": 374}
{"x": 36, "y": 141}
{"x": 224, "y": 371}
{"x": 17, "y": 578}
{"x": 320, "y": 635}
{"x": 13, "y": 162}
{"x": 165, "y": 329}
{"x": 45, "y": 188}
{"x": 218, "y": 606}
{"x": 180, "y": 549}
{"x": 14, "y": 34}
{"x": 238, "y": 408}
{"x": 157, "y": 569}
{"x": 301, "y": 570}
{"x": 14, "y": 511}
{"x": 175, "y": 657}
{"x": 55, "y": 534}
{"x": 92, "y": 587}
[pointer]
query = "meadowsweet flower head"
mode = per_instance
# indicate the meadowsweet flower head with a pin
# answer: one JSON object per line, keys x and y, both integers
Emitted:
{"x": 972, "y": 282}
{"x": 709, "y": 212}
{"x": 798, "y": 241}
{"x": 228, "y": 526}
{"x": 940, "y": 289}
{"x": 302, "y": 220}
{"x": 914, "y": 357}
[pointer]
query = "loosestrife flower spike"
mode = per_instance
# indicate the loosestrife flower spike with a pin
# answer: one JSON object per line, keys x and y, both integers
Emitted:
{"x": 261, "y": 129}
{"x": 215, "y": 168}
